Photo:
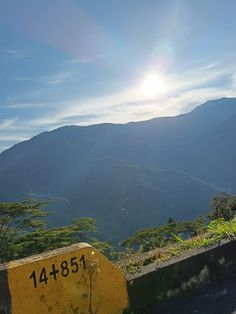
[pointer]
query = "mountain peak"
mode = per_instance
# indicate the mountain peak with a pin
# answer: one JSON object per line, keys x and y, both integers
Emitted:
{"x": 82, "y": 165}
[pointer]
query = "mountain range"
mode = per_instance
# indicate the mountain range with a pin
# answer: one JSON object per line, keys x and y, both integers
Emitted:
{"x": 128, "y": 176}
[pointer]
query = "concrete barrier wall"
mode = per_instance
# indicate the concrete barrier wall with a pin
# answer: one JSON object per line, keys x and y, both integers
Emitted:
{"x": 5, "y": 299}
{"x": 73, "y": 280}
{"x": 155, "y": 284}
{"x": 79, "y": 279}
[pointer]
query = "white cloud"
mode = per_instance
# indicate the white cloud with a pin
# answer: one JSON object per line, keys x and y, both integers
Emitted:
{"x": 233, "y": 78}
{"x": 3, "y": 147}
{"x": 84, "y": 60}
{"x": 188, "y": 100}
{"x": 23, "y": 78}
{"x": 13, "y": 137}
{"x": 184, "y": 91}
{"x": 7, "y": 123}
{"x": 17, "y": 53}
{"x": 21, "y": 106}
{"x": 13, "y": 131}
{"x": 57, "y": 78}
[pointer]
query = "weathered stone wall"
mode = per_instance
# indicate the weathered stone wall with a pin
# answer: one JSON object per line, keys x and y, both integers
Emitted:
{"x": 156, "y": 283}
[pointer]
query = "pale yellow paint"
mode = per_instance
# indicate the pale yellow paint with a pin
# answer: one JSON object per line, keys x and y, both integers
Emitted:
{"x": 98, "y": 289}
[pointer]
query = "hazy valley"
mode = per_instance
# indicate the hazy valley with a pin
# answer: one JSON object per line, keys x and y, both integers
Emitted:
{"x": 128, "y": 176}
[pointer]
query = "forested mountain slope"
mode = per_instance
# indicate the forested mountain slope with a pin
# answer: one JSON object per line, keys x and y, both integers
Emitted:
{"x": 118, "y": 173}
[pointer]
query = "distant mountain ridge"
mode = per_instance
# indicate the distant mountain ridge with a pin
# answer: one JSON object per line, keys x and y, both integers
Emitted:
{"x": 118, "y": 173}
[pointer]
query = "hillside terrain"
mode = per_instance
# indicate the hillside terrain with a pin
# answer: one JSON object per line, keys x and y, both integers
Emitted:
{"x": 128, "y": 176}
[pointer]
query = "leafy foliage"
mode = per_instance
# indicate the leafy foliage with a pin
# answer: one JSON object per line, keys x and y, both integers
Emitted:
{"x": 180, "y": 237}
{"x": 195, "y": 242}
{"x": 222, "y": 228}
{"x": 23, "y": 231}
{"x": 149, "y": 239}
{"x": 215, "y": 231}
{"x": 223, "y": 206}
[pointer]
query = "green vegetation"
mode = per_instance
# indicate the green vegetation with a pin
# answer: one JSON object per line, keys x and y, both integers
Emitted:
{"x": 223, "y": 229}
{"x": 173, "y": 239}
{"x": 223, "y": 206}
{"x": 23, "y": 231}
{"x": 149, "y": 239}
{"x": 216, "y": 230}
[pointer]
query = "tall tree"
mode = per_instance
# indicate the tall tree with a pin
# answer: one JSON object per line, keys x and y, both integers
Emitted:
{"x": 23, "y": 231}
{"x": 223, "y": 206}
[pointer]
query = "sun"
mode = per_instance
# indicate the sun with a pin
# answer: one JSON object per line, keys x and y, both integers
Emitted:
{"x": 152, "y": 85}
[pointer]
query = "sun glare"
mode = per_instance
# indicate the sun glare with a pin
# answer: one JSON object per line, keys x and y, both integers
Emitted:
{"x": 152, "y": 85}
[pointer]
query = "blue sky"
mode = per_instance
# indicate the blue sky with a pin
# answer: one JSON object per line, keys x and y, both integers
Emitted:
{"x": 82, "y": 62}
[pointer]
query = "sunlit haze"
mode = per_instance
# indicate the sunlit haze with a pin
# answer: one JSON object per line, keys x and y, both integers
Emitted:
{"x": 152, "y": 85}
{"x": 110, "y": 61}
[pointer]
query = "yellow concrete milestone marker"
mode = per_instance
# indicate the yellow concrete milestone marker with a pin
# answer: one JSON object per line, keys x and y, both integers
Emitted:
{"x": 77, "y": 279}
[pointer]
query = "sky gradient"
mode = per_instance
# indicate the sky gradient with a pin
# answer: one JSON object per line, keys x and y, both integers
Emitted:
{"x": 82, "y": 62}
